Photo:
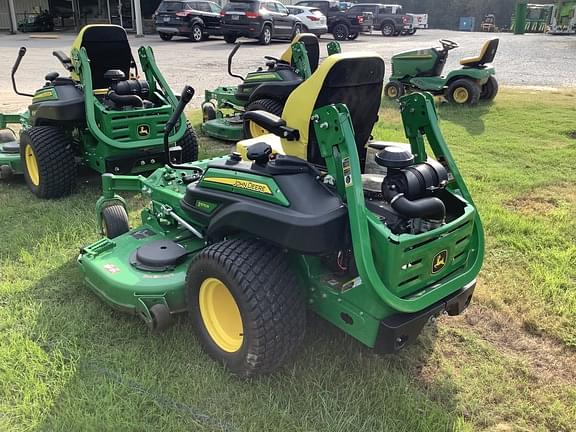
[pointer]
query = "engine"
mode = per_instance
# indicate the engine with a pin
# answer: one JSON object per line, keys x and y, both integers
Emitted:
{"x": 126, "y": 94}
{"x": 409, "y": 198}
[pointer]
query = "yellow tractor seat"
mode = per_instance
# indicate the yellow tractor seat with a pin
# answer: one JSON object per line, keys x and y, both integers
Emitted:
{"x": 354, "y": 79}
{"x": 487, "y": 54}
{"x": 312, "y": 46}
{"x": 108, "y": 48}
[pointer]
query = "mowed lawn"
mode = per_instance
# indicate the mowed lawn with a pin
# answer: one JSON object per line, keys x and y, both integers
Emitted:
{"x": 69, "y": 363}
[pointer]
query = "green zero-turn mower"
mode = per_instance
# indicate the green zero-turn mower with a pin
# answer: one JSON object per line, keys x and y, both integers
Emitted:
{"x": 264, "y": 89}
{"x": 421, "y": 70}
{"x": 245, "y": 246}
{"x": 101, "y": 117}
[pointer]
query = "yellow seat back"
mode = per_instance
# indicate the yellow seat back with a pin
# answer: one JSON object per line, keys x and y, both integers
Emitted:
{"x": 354, "y": 79}
{"x": 312, "y": 46}
{"x": 487, "y": 54}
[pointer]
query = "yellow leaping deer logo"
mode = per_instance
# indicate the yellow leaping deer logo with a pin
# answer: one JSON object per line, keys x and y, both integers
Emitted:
{"x": 439, "y": 261}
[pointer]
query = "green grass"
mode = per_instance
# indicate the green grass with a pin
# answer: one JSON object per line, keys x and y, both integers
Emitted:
{"x": 68, "y": 362}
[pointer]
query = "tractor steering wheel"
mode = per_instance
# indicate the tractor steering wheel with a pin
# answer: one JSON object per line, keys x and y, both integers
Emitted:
{"x": 448, "y": 44}
{"x": 272, "y": 58}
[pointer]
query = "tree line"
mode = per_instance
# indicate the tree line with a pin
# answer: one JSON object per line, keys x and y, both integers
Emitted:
{"x": 446, "y": 13}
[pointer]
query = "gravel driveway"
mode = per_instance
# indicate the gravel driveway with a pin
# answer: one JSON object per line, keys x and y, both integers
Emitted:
{"x": 529, "y": 60}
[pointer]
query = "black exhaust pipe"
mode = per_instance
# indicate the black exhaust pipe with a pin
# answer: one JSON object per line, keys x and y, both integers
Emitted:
{"x": 424, "y": 208}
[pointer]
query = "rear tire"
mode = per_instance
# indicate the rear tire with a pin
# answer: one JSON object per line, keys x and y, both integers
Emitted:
{"x": 165, "y": 36}
{"x": 189, "y": 144}
{"x": 265, "y": 36}
{"x": 245, "y": 304}
{"x": 463, "y": 91}
{"x": 411, "y": 32}
{"x": 394, "y": 90}
{"x": 48, "y": 161}
{"x": 197, "y": 34}
{"x": 114, "y": 221}
{"x": 388, "y": 29}
{"x": 230, "y": 38}
{"x": 340, "y": 32}
{"x": 353, "y": 36}
{"x": 251, "y": 129}
{"x": 489, "y": 90}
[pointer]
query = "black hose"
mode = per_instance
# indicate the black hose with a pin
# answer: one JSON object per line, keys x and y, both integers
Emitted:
{"x": 424, "y": 208}
{"x": 125, "y": 100}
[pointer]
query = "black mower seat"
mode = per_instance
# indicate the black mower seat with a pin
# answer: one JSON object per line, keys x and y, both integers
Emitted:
{"x": 107, "y": 48}
{"x": 486, "y": 55}
{"x": 276, "y": 90}
{"x": 10, "y": 147}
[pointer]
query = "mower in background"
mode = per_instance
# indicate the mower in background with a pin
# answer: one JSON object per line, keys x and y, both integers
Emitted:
{"x": 101, "y": 116}
{"x": 421, "y": 70}
{"x": 265, "y": 89}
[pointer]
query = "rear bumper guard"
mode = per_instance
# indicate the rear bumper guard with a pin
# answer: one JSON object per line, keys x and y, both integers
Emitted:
{"x": 128, "y": 163}
{"x": 397, "y": 331}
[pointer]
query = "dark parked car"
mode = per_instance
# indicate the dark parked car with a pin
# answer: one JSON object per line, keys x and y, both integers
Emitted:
{"x": 389, "y": 19}
{"x": 259, "y": 19}
{"x": 196, "y": 20}
{"x": 341, "y": 24}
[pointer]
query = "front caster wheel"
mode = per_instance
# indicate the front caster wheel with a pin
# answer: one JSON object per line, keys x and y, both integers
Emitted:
{"x": 114, "y": 221}
{"x": 161, "y": 318}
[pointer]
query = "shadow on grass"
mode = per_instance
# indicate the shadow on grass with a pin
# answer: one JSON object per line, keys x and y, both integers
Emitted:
{"x": 121, "y": 377}
{"x": 468, "y": 117}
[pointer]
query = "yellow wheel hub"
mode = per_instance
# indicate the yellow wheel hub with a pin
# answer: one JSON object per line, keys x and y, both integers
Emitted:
{"x": 392, "y": 92}
{"x": 32, "y": 165}
{"x": 257, "y": 130}
{"x": 220, "y": 315}
{"x": 461, "y": 95}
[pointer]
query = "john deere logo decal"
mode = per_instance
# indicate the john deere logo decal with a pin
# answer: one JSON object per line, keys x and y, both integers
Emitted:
{"x": 439, "y": 261}
{"x": 143, "y": 130}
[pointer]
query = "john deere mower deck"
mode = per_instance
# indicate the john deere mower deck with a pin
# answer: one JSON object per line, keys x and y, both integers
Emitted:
{"x": 102, "y": 115}
{"x": 246, "y": 245}
{"x": 265, "y": 89}
{"x": 421, "y": 70}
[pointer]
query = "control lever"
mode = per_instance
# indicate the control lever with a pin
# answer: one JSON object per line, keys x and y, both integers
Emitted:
{"x": 21, "y": 53}
{"x": 185, "y": 97}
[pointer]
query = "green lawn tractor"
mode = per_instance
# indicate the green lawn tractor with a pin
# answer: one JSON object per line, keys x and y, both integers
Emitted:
{"x": 421, "y": 70}
{"x": 246, "y": 245}
{"x": 101, "y": 116}
{"x": 264, "y": 89}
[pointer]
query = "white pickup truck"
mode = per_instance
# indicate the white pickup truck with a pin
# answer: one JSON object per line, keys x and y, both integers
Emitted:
{"x": 419, "y": 21}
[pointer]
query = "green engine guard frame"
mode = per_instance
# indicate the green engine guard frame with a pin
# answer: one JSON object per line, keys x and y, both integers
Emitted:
{"x": 104, "y": 126}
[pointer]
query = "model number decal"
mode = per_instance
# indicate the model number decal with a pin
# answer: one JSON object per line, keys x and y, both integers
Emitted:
{"x": 347, "y": 172}
{"x": 241, "y": 184}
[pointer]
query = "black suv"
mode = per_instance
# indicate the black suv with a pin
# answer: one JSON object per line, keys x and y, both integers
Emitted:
{"x": 194, "y": 19}
{"x": 260, "y": 19}
{"x": 341, "y": 24}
